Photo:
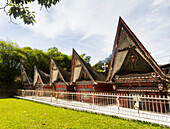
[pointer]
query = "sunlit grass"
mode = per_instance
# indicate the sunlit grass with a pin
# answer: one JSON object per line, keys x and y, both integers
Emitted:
{"x": 17, "y": 113}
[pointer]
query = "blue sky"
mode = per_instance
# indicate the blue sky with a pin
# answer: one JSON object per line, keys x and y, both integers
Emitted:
{"x": 90, "y": 26}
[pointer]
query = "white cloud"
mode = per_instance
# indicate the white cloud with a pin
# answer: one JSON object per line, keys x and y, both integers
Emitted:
{"x": 90, "y": 18}
{"x": 152, "y": 28}
{"x": 90, "y": 26}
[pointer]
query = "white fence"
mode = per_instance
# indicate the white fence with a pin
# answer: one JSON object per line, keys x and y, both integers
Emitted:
{"x": 147, "y": 107}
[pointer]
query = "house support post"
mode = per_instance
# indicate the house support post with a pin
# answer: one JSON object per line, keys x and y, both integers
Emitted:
{"x": 137, "y": 102}
{"x": 118, "y": 103}
{"x": 51, "y": 95}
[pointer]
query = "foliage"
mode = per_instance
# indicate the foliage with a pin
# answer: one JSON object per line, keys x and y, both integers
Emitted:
{"x": 86, "y": 58}
{"x": 9, "y": 61}
{"x": 20, "y": 9}
{"x": 11, "y": 55}
{"x": 31, "y": 57}
{"x": 17, "y": 114}
{"x": 63, "y": 60}
{"x": 169, "y": 86}
{"x": 98, "y": 66}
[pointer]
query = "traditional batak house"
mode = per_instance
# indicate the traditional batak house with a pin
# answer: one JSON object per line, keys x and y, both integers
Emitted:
{"x": 132, "y": 69}
{"x": 41, "y": 80}
{"x": 59, "y": 77}
{"x": 85, "y": 79}
{"x": 27, "y": 78}
{"x": 166, "y": 69}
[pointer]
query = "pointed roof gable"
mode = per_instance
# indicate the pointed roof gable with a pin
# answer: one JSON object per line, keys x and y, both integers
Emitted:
{"x": 129, "y": 55}
{"x": 45, "y": 78}
{"x": 80, "y": 70}
{"x": 27, "y": 75}
{"x": 57, "y": 70}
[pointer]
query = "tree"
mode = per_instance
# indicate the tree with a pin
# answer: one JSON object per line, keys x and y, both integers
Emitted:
{"x": 52, "y": 51}
{"x": 62, "y": 59}
{"x": 34, "y": 57}
{"x": 9, "y": 61}
{"x": 98, "y": 66}
{"x": 19, "y": 9}
{"x": 11, "y": 55}
{"x": 86, "y": 58}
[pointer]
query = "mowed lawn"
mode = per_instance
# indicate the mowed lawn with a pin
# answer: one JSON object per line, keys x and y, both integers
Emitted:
{"x": 18, "y": 113}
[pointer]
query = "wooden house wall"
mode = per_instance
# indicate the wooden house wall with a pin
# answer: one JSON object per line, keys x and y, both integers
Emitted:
{"x": 63, "y": 87}
{"x": 40, "y": 86}
{"x": 48, "y": 88}
{"x": 91, "y": 88}
{"x": 84, "y": 87}
{"x": 104, "y": 87}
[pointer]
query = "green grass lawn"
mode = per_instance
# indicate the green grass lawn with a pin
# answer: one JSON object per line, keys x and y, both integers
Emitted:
{"x": 19, "y": 114}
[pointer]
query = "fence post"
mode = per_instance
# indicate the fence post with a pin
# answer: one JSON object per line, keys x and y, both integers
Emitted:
{"x": 137, "y": 102}
{"x": 51, "y": 96}
{"x": 23, "y": 92}
{"x": 164, "y": 104}
{"x": 33, "y": 93}
{"x": 72, "y": 95}
{"x": 118, "y": 102}
{"x": 93, "y": 101}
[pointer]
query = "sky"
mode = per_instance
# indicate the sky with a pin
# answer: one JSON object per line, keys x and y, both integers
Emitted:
{"x": 90, "y": 27}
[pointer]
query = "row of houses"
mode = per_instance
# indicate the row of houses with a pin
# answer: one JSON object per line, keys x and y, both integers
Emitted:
{"x": 132, "y": 71}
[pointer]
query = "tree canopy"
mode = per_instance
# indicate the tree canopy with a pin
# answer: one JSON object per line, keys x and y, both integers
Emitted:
{"x": 98, "y": 66}
{"x": 20, "y": 9}
{"x": 9, "y": 59}
{"x": 11, "y": 55}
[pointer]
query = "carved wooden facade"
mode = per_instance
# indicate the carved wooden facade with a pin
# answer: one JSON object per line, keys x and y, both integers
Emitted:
{"x": 41, "y": 80}
{"x": 59, "y": 77}
{"x": 85, "y": 79}
{"x": 132, "y": 69}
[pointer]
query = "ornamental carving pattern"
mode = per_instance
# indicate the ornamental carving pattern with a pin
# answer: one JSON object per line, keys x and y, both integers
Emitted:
{"x": 123, "y": 34}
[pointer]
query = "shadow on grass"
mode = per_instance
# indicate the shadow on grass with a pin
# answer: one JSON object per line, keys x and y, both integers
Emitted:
{"x": 5, "y": 96}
